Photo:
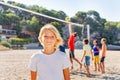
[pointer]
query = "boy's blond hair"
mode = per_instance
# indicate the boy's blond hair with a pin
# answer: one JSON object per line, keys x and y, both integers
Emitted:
{"x": 104, "y": 39}
{"x": 54, "y": 31}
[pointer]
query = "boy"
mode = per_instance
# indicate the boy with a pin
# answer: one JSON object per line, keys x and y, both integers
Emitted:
{"x": 49, "y": 63}
{"x": 71, "y": 46}
{"x": 96, "y": 55}
{"x": 103, "y": 55}
{"x": 62, "y": 47}
{"x": 86, "y": 56}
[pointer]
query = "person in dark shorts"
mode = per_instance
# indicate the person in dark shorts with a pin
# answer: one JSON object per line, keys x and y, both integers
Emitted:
{"x": 71, "y": 46}
{"x": 102, "y": 59}
{"x": 103, "y": 53}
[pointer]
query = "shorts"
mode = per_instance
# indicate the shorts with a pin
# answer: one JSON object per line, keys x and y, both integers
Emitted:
{"x": 96, "y": 59}
{"x": 87, "y": 61}
{"x": 102, "y": 59}
{"x": 71, "y": 53}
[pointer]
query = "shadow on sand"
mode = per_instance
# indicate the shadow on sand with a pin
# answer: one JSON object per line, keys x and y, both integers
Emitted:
{"x": 107, "y": 76}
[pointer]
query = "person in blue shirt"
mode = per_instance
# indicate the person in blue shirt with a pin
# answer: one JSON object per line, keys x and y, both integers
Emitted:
{"x": 96, "y": 55}
{"x": 62, "y": 46}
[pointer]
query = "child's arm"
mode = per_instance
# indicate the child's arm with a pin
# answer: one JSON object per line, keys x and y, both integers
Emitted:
{"x": 66, "y": 74}
{"x": 33, "y": 75}
{"x": 91, "y": 54}
{"x": 97, "y": 49}
{"x": 70, "y": 29}
{"x": 83, "y": 55}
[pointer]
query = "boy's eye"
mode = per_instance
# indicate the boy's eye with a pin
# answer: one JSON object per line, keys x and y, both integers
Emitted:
{"x": 51, "y": 37}
{"x": 45, "y": 36}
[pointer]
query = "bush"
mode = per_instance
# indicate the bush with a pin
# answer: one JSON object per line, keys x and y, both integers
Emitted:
{"x": 16, "y": 41}
{"x": 6, "y": 44}
{"x": 28, "y": 40}
{"x": 20, "y": 41}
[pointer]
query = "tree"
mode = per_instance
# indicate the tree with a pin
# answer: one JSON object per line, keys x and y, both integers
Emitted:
{"x": 2, "y": 19}
{"x": 58, "y": 26}
{"x": 61, "y": 15}
{"x": 14, "y": 21}
{"x": 81, "y": 17}
{"x": 34, "y": 25}
{"x": 118, "y": 25}
{"x": 110, "y": 32}
{"x": 94, "y": 14}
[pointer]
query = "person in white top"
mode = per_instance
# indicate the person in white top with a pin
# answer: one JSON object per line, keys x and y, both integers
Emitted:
{"x": 49, "y": 64}
{"x": 87, "y": 51}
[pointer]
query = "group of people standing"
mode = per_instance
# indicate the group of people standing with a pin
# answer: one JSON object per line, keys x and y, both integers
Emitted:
{"x": 94, "y": 52}
{"x": 53, "y": 64}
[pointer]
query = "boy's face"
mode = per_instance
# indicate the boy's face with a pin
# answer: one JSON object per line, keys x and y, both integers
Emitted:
{"x": 94, "y": 42}
{"x": 102, "y": 41}
{"x": 48, "y": 39}
{"x": 83, "y": 43}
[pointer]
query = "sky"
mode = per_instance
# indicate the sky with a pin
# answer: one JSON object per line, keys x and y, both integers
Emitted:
{"x": 108, "y": 9}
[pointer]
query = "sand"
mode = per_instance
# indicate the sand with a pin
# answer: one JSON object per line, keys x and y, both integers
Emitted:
{"x": 13, "y": 66}
{"x": 2, "y": 48}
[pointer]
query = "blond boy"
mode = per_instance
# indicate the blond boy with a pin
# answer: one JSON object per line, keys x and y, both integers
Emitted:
{"x": 103, "y": 55}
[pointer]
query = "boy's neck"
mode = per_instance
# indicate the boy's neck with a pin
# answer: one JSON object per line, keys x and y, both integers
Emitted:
{"x": 48, "y": 51}
{"x": 103, "y": 44}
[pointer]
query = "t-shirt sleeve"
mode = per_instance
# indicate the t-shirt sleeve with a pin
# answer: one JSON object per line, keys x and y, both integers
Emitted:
{"x": 90, "y": 48}
{"x": 32, "y": 65}
{"x": 66, "y": 62}
{"x": 84, "y": 48}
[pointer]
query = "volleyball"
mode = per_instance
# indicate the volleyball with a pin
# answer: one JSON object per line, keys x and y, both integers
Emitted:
{"x": 67, "y": 19}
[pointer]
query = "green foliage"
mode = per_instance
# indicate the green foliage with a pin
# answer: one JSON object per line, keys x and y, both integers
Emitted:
{"x": 61, "y": 15}
{"x": 13, "y": 18}
{"x": 6, "y": 44}
{"x": 93, "y": 14}
{"x": 34, "y": 25}
{"x": 118, "y": 25}
{"x": 81, "y": 17}
{"x": 58, "y": 26}
{"x": 78, "y": 30}
{"x": 16, "y": 41}
{"x": 111, "y": 32}
{"x": 28, "y": 40}
{"x": 20, "y": 41}
{"x": 18, "y": 19}
{"x": 3, "y": 19}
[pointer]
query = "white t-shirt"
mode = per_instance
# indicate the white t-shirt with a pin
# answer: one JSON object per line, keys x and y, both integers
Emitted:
{"x": 87, "y": 48}
{"x": 49, "y": 67}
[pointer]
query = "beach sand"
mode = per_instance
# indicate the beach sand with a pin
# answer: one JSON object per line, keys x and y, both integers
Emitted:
{"x": 13, "y": 66}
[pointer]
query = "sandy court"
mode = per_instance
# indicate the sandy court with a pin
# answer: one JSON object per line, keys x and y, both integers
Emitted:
{"x": 13, "y": 66}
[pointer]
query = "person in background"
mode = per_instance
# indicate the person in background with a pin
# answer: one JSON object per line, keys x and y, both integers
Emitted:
{"x": 103, "y": 55}
{"x": 62, "y": 46}
{"x": 71, "y": 46}
{"x": 96, "y": 51}
{"x": 49, "y": 63}
{"x": 86, "y": 56}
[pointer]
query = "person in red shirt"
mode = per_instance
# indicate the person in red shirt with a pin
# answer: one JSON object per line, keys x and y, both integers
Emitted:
{"x": 71, "y": 46}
